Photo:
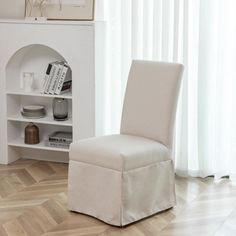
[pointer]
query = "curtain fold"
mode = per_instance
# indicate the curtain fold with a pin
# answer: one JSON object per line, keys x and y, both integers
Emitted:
{"x": 201, "y": 34}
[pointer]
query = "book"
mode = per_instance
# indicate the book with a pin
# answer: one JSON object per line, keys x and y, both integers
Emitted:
{"x": 65, "y": 81}
{"x": 56, "y": 77}
{"x": 60, "y": 137}
{"x": 55, "y": 72}
{"x": 57, "y": 145}
{"x": 50, "y": 78}
{"x": 46, "y": 77}
{"x": 66, "y": 87}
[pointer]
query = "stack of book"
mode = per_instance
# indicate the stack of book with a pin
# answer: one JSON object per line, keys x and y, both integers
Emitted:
{"x": 60, "y": 139}
{"x": 58, "y": 78}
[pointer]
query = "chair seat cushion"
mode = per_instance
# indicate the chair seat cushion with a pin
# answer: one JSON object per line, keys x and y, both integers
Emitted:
{"x": 119, "y": 152}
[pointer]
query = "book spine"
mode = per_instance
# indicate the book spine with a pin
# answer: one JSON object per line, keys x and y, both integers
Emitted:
{"x": 61, "y": 80}
{"x": 58, "y": 145}
{"x": 55, "y": 79}
{"x": 44, "y": 84}
{"x": 59, "y": 77}
{"x": 60, "y": 140}
{"x": 54, "y": 68}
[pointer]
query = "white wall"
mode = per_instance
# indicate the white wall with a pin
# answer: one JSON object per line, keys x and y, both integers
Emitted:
{"x": 12, "y": 8}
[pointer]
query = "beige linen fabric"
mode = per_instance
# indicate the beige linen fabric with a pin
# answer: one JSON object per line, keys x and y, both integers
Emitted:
{"x": 119, "y": 152}
{"x": 120, "y": 198}
{"x": 150, "y": 100}
{"x": 123, "y": 178}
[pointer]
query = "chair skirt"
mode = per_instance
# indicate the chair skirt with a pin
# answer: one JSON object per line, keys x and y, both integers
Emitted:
{"x": 121, "y": 197}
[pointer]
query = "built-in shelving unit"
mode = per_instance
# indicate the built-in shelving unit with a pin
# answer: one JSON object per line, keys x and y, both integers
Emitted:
{"x": 45, "y": 120}
{"x": 28, "y": 60}
{"x": 41, "y": 146}
{"x": 31, "y": 52}
{"x": 38, "y": 94}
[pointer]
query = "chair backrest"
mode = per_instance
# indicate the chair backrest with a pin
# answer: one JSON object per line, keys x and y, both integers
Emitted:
{"x": 151, "y": 99}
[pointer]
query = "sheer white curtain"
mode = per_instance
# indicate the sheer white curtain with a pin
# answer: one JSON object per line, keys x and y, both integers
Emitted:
{"x": 201, "y": 34}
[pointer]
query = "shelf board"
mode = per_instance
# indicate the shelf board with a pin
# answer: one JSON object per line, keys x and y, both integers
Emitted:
{"x": 41, "y": 146}
{"x": 38, "y": 94}
{"x": 51, "y": 22}
{"x": 45, "y": 120}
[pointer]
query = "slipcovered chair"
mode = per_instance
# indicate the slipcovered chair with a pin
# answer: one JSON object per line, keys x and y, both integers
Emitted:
{"x": 123, "y": 178}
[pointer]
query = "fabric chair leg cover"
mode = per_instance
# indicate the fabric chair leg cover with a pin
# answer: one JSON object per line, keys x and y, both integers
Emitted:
{"x": 120, "y": 198}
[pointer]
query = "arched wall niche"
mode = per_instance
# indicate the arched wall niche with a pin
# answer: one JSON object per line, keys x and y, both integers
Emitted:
{"x": 31, "y": 58}
{"x": 81, "y": 44}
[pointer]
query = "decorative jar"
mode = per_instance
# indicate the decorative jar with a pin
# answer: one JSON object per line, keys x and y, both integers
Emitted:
{"x": 31, "y": 134}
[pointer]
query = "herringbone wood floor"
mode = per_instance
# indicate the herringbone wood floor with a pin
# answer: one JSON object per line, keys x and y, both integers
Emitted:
{"x": 33, "y": 202}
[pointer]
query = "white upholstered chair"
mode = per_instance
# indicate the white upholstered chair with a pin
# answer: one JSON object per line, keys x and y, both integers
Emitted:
{"x": 123, "y": 178}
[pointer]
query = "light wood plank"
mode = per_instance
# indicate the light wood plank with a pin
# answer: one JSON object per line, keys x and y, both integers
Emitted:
{"x": 33, "y": 202}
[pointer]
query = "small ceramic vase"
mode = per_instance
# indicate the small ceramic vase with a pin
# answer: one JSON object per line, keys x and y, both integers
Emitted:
{"x": 31, "y": 134}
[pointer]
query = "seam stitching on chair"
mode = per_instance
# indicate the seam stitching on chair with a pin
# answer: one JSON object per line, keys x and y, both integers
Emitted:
{"x": 122, "y": 193}
{"x": 146, "y": 166}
